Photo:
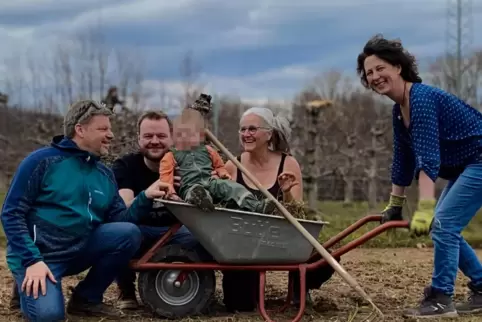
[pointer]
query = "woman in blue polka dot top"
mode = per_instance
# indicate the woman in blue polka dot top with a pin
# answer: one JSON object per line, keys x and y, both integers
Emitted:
{"x": 435, "y": 134}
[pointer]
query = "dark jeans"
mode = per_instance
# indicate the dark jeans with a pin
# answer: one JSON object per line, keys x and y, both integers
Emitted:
{"x": 150, "y": 235}
{"x": 110, "y": 248}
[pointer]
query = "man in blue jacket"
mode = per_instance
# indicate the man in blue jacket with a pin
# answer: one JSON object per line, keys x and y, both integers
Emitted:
{"x": 63, "y": 215}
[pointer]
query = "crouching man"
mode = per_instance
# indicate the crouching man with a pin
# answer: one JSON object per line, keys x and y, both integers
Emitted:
{"x": 63, "y": 215}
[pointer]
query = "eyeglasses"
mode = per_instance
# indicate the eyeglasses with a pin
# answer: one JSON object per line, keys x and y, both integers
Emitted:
{"x": 252, "y": 130}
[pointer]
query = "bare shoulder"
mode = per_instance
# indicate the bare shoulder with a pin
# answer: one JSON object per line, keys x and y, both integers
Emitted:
{"x": 291, "y": 163}
{"x": 231, "y": 168}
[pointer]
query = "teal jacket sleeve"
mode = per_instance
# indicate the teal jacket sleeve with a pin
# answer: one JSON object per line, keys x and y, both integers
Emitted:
{"x": 140, "y": 207}
{"x": 20, "y": 198}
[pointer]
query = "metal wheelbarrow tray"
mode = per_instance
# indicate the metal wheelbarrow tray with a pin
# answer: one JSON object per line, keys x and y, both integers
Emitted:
{"x": 174, "y": 284}
{"x": 241, "y": 237}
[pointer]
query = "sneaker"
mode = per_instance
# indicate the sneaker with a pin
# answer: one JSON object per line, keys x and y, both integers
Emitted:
{"x": 474, "y": 301}
{"x": 199, "y": 197}
{"x": 80, "y": 307}
{"x": 127, "y": 301}
{"x": 15, "y": 299}
{"x": 433, "y": 305}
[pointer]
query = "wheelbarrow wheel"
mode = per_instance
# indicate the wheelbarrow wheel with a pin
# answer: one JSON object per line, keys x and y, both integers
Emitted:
{"x": 159, "y": 291}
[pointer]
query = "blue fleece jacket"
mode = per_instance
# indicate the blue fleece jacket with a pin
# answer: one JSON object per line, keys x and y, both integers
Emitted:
{"x": 58, "y": 196}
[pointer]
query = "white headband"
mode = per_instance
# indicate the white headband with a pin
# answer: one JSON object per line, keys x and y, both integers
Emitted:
{"x": 278, "y": 123}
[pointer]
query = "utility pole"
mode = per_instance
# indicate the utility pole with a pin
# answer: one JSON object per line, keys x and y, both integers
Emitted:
{"x": 459, "y": 38}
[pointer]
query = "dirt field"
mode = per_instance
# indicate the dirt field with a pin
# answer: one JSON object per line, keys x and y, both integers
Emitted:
{"x": 393, "y": 277}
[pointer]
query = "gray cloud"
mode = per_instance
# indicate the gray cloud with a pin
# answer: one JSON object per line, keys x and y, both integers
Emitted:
{"x": 254, "y": 46}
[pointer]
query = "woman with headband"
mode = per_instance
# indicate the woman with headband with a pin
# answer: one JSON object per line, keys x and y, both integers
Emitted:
{"x": 266, "y": 154}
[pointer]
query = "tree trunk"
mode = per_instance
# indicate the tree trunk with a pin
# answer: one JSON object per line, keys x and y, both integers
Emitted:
{"x": 372, "y": 183}
{"x": 313, "y": 196}
{"x": 349, "y": 190}
{"x": 372, "y": 194}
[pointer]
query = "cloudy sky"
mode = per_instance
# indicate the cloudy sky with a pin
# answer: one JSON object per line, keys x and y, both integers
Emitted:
{"x": 254, "y": 49}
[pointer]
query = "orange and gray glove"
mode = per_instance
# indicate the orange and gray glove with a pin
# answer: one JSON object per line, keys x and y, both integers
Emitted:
{"x": 422, "y": 219}
{"x": 393, "y": 211}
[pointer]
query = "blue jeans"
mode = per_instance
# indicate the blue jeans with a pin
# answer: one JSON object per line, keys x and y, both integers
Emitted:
{"x": 110, "y": 247}
{"x": 150, "y": 235}
{"x": 458, "y": 204}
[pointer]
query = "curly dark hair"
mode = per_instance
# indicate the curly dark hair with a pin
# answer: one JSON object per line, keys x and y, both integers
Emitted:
{"x": 393, "y": 53}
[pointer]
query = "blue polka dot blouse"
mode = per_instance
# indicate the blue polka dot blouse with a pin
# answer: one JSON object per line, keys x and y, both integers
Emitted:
{"x": 444, "y": 136}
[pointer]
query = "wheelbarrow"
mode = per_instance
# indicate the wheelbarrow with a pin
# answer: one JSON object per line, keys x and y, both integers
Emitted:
{"x": 174, "y": 283}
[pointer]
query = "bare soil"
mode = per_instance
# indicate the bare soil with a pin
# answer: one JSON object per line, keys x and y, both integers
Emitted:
{"x": 394, "y": 278}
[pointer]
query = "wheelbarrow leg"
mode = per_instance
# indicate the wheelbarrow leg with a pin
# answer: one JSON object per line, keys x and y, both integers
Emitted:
{"x": 262, "y": 285}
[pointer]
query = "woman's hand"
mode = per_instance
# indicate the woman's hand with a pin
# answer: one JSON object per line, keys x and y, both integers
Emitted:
{"x": 286, "y": 181}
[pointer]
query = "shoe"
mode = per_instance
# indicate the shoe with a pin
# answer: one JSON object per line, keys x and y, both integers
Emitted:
{"x": 127, "y": 301}
{"x": 79, "y": 307}
{"x": 433, "y": 305}
{"x": 199, "y": 197}
{"x": 473, "y": 303}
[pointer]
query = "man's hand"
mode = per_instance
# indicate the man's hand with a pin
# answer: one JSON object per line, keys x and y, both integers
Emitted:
{"x": 174, "y": 197}
{"x": 35, "y": 277}
{"x": 158, "y": 190}
{"x": 393, "y": 211}
{"x": 422, "y": 218}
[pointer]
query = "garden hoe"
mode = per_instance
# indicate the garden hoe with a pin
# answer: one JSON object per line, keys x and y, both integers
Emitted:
{"x": 203, "y": 105}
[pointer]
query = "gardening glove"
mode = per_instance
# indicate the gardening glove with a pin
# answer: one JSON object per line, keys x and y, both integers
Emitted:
{"x": 393, "y": 211}
{"x": 422, "y": 219}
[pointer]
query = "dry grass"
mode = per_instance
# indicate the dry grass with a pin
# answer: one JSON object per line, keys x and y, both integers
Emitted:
{"x": 300, "y": 210}
{"x": 393, "y": 277}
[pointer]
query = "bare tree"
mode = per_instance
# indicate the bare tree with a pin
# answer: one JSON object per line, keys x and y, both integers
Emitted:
{"x": 66, "y": 77}
{"x": 15, "y": 82}
{"x": 443, "y": 74}
{"x": 313, "y": 112}
{"x": 310, "y": 143}
{"x": 332, "y": 85}
{"x": 35, "y": 81}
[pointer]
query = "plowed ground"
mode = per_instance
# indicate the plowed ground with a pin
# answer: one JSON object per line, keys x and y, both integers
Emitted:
{"x": 393, "y": 277}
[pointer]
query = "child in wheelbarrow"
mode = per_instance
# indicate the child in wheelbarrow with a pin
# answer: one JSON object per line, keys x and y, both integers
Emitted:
{"x": 195, "y": 162}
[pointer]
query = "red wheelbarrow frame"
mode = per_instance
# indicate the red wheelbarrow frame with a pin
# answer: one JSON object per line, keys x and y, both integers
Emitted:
{"x": 144, "y": 264}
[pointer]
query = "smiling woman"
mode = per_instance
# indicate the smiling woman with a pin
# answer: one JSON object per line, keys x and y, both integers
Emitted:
{"x": 435, "y": 134}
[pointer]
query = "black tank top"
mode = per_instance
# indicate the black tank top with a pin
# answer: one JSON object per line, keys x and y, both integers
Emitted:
{"x": 275, "y": 189}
